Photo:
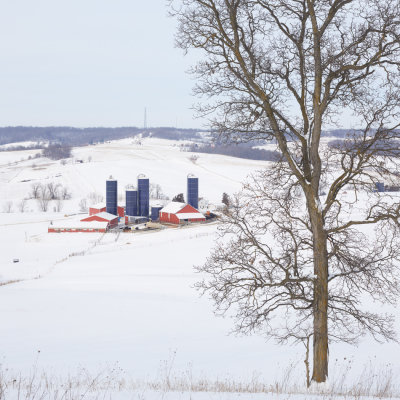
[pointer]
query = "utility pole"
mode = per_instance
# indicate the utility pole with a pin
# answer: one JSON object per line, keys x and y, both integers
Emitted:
{"x": 145, "y": 118}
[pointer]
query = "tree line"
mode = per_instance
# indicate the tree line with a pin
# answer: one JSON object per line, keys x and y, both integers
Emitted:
{"x": 240, "y": 151}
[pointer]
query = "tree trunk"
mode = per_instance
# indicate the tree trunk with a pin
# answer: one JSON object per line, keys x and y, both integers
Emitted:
{"x": 320, "y": 310}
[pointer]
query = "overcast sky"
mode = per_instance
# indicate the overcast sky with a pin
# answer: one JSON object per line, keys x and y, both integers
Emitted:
{"x": 92, "y": 63}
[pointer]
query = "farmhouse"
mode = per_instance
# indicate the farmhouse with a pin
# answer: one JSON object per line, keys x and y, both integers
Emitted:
{"x": 180, "y": 213}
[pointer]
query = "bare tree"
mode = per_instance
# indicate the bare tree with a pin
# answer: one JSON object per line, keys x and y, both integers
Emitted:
{"x": 59, "y": 204}
{"x": 8, "y": 206}
{"x": 83, "y": 205}
{"x": 54, "y": 190}
{"x": 22, "y": 206}
{"x": 65, "y": 193}
{"x": 156, "y": 191}
{"x": 44, "y": 198}
{"x": 95, "y": 197}
{"x": 35, "y": 189}
{"x": 265, "y": 271}
{"x": 282, "y": 70}
{"x": 193, "y": 158}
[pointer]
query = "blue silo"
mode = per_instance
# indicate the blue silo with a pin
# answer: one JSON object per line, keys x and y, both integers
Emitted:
{"x": 193, "y": 191}
{"x": 143, "y": 185}
{"x": 131, "y": 208}
{"x": 380, "y": 186}
{"x": 112, "y": 196}
{"x": 155, "y": 212}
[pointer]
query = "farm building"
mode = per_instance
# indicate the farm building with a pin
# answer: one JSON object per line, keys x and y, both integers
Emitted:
{"x": 78, "y": 226}
{"x": 101, "y": 207}
{"x": 180, "y": 213}
{"x": 97, "y": 208}
{"x": 103, "y": 216}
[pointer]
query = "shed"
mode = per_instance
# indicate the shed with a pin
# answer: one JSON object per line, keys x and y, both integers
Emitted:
{"x": 180, "y": 213}
{"x": 101, "y": 207}
{"x": 97, "y": 208}
{"x": 78, "y": 226}
{"x": 103, "y": 217}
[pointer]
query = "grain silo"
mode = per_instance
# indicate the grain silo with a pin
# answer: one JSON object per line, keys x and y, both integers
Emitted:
{"x": 112, "y": 196}
{"x": 143, "y": 185}
{"x": 131, "y": 207}
{"x": 155, "y": 212}
{"x": 193, "y": 191}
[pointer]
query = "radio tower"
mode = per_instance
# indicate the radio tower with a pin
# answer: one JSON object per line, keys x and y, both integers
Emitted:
{"x": 145, "y": 118}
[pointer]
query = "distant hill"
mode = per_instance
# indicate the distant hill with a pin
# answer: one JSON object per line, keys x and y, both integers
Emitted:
{"x": 84, "y": 136}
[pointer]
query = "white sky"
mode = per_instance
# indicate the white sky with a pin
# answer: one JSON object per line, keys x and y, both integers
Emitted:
{"x": 92, "y": 63}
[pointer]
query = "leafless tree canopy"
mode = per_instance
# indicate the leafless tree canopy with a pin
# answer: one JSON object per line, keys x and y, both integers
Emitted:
{"x": 264, "y": 266}
{"x": 283, "y": 70}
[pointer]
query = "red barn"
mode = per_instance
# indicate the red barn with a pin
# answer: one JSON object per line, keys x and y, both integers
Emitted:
{"x": 121, "y": 211}
{"x": 180, "y": 213}
{"x": 103, "y": 217}
{"x": 97, "y": 208}
{"x": 101, "y": 207}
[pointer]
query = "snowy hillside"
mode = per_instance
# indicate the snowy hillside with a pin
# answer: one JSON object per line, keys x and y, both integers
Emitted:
{"x": 161, "y": 160}
{"x": 100, "y": 300}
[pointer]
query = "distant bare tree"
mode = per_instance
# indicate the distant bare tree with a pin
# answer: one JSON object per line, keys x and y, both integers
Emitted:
{"x": 8, "y": 206}
{"x": 44, "y": 198}
{"x": 35, "y": 189}
{"x": 95, "y": 197}
{"x": 54, "y": 190}
{"x": 22, "y": 205}
{"x": 83, "y": 205}
{"x": 156, "y": 191}
{"x": 59, "y": 204}
{"x": 281, "y": 70}
{"x": 65, "y": 193}
{"x": 193, "y": 158}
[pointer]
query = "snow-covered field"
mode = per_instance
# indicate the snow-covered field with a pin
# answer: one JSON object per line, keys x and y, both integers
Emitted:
{"x": 161, "y": 160}
{"x": 99, "y": 301}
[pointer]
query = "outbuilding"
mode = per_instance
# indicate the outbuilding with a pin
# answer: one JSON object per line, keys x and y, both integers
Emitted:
{"x": 97, "y": 208}
{"x": 180, "y": 213}
{"x": 77, "y": 226}
{"x": 103, "y": 217}
{"x": 101, "y": 207}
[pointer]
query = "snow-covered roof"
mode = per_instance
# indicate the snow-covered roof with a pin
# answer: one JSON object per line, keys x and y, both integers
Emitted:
{"x": 190, "y": 215}
{"x": 76, "y": 224}
{"x": 98, "y": 206}
{"x": 173, "y": 207}
{"x": 104, "y": 215}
